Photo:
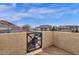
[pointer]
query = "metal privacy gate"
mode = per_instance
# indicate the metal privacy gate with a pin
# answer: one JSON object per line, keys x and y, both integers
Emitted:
{"x": 34, "y": 41}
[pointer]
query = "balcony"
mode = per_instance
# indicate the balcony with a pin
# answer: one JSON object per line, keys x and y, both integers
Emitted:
{"x": 50, "y": 43}
{"x": 53, "y": 50}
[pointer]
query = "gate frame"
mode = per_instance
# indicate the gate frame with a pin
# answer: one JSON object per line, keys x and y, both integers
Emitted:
{"x": 27, "y": 41}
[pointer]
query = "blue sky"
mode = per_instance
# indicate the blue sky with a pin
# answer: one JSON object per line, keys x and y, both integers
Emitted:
{"x": 37, "y": 14}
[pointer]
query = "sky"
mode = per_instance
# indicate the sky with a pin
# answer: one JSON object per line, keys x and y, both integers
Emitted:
{"x": 36, "y": 14}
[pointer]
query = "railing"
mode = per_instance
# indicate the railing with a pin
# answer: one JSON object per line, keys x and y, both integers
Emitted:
{"x": 34, "y": 41}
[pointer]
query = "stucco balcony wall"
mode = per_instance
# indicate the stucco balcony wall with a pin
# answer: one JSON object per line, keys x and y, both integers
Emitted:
{"x": 47, "y": 38}
{"x": 68, "y": 41}
{"x": 13, "y": 43}
{"x": 16, "y": 43}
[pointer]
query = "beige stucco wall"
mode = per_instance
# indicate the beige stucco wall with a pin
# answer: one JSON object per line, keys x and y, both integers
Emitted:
{"x": 13, "y": 43}
{"x": 68, "y": 41}
{"x": 47, "y": 38}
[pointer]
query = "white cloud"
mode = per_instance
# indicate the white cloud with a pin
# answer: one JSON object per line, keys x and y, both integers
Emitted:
{"x": 76, "y": 11}
{"x": 37, "y": 13}
{"x": 4, "y": 8}
{"x": 14, "y": 4}
{"x": 41, "y": 10}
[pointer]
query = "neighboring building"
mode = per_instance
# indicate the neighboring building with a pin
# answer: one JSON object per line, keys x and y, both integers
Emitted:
{"x": 65, "y": 28}
{"x": 7, "y": 27}
{"x": 44, "y": 28}
{"x": 69, "y": 28}
{"x": 75, "y": 28}
{"x": 4, "y": 29}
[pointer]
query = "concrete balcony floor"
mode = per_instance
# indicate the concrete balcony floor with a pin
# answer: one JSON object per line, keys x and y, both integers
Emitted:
{"x": 54, "y": 51}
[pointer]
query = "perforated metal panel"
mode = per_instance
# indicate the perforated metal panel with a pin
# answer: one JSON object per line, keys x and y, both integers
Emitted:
{"x": 34, "y": 41}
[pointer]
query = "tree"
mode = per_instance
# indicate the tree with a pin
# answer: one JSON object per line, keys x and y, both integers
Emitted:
{"x": 54, "y": 28}
{"x": 26, "y": 27}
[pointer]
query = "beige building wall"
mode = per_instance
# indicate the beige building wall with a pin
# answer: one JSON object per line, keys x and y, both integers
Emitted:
{"x": 68, "y": 41}
{"x": 47, "y": 39}
{"x": 13, "y": 43}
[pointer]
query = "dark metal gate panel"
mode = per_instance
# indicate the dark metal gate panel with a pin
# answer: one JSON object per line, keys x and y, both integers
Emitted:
{"x": 34, "y": 41}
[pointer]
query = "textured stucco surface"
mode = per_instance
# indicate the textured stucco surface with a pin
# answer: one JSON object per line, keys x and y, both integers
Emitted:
{"x": 68, "y": 41}
{"x": 16, "y": 43}
{"x": 47, "y": 38}
{"x": 13, "y": 43}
